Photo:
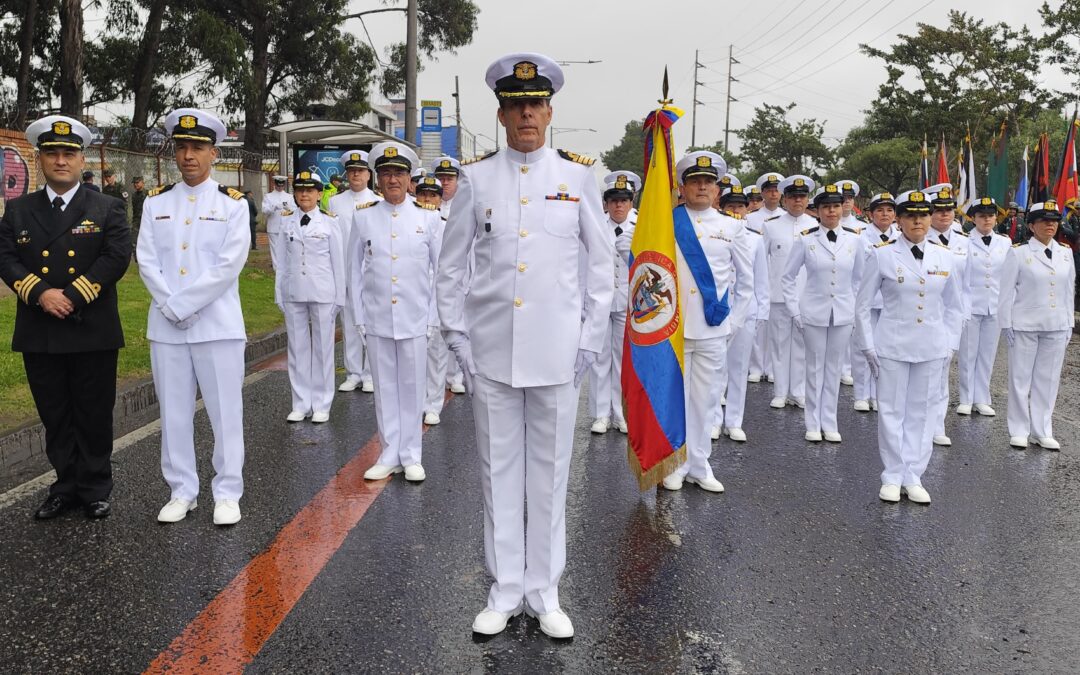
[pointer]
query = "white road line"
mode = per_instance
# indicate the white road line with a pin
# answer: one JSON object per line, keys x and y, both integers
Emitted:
{"x": 127, "y": 440}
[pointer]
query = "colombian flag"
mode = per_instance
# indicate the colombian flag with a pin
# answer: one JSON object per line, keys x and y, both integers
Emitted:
{"x": 652, "y": 373}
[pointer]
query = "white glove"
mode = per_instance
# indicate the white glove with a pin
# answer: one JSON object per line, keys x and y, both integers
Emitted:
{"x": 431, "y": 330}
{"x": 585, "y": 358}
{"x": 458, "y": 342}
{"x": 169, "y": 314}
{"x": 872, "y": 361}
{"x": 1010, "y": 336}
{"x": 188, "y": 322}
{"x": 797, "y": 320}
{"x": 362, "y": 329}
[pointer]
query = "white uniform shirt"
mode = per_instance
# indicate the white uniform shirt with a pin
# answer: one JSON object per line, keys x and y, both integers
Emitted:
{"x": 1036, "y": 291}
{"x": 833, "y": 272}
{"x": 958, "y": 244}
{"x": 871, "y": 237}
{"x": 193, "y": 243}
{"x": 723, "y": 239}
{"x": 524, "y": 217}
{"x": 984, "y": 271}
{"x": 922, "y": 313}
{"x": 343, "y": 204}
{"x": 760, "y": 259}
{"x": 624, "y": 235}
{"x": 393, "y": 248}
{"x": 313, "y": 260}
{"x": 781, "y": 232}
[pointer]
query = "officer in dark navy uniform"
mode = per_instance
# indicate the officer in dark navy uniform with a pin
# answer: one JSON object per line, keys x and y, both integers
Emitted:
{"x": 62, "y": 250}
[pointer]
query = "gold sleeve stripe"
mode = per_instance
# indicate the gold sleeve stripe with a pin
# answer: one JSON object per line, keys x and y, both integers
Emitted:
{"x": 27, "y": 287}
{"x": 80, "y": 286}
{"x": 95, "y": 289}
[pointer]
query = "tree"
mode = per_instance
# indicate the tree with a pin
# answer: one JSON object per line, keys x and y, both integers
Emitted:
{"x": 1063, "y": 40}
{"x": 886, "y": 166}
{"x": 28, "y": 49}
{"x": 444, "y": 26}
{"x": 771, "y": 143}
{"x": 629, "y": 153}
{"x": 71, "y": 57}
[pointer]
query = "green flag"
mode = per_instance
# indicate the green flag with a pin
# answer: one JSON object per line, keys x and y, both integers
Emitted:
{"x": 997, "y": 180}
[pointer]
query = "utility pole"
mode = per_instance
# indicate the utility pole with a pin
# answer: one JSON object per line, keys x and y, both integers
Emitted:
{"x": 457, "y": 114}
{"x": 410, "y": 73}
{"x": 727, "y": 113}
{"x": 693, "y": 111}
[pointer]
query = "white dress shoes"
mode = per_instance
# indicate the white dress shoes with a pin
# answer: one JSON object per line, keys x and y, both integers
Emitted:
{"x": 350, "y": 384}
{"x": 414, "y": 473}
{"x": 800, "y": 402}
{"x": 889, "y": 493}
{"x": 963, "y": 409}
{"x": 862, "y": 406}
{"x": 320, "y": 417}
{"x": 621, "y": 426}
{"x": 778, "y": 402}
{"x": 917, "y": 494}
{"x": 833, "y": 436}
{"x": 367, "y": 387}
{"x": 380, "y": 471}
{"x": 723, "y": 400}
{"x": 942, "y": 440}
{"x": 492, "y": 622}
{"x": 600, "y": 425}
{"x": 709, "y": 484}
{"x": 554, "y": 624}
{"x": 714, "y": 433}
{"x": 847, "y": 380}
{"x": 226, "y": 512}
{"x": 873, "y": 404}
{"x": 1018, "y": 441}
{"x": 176, "y": 510}
{"x": 457, "y": 388}
{"x": 296, "y": 416}
{"x": 737, "y": 435}
{"x": 431, "y": 419}
{"x": 1048, "y": 443}
{"x": 672, "y": 481}
{"x": 813, "y": 436}
{"x": 753, "y": 377}
{"x": 985, "y": 410}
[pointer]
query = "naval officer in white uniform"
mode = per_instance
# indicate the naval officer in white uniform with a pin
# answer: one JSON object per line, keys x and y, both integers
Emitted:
{"x": 713, "y": 259}
{"x": 525, "y": 334}
{"x": 605, "y": 376}
{"x": 919, "y": 325}
{"x": 987, "y": 251}
{"x": 832, "y": 258}
{"x": 274, "y": 204}
{"x": 768, "y": 186}
{"x": 343, "y": 205}
{"x": 848, "y": 219}
{"x": 394, "y": 246}
{"x": 447, "y": 169}
{"x": 193, "y": 243}
{"x": 1036, "y": 313}
{"x": 310, "y": 291}
{"x": 882, "y": 229}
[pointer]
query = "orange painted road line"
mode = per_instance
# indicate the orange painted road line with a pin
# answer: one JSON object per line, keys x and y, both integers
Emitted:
{"x": 229, "y": 632}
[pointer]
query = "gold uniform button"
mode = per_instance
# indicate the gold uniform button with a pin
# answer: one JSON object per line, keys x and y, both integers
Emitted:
{"x": 44, "y": 270}
{"x": 919, "y": 307}
{"x": 183, "y": 247}
{"x": 523, "y": 233}
{"x": 191, "y": 198}
{"x": 183, "y": 272}
{"x": 187, "y": 221}
{"x": 922, "y": 281}
{"x": 522, "y": 267}
{"x": 393, "y": 235}
{"x": 44, "y": 254}
{"x": 524, "y": 200}
{"x": 393, "y": 301}
{"x": 693, "y": 291}
{"x": 394, "y": 214}
{"x": 1051, "y": 283}
{"x": 71, "y": 253}
{"x": 1053, "y": 305}
{"x": 524, "y": 169}
{"x": 919, "y": 320}
{"x": 517, "y": 302}
{"x": 921, "y": 294}
{"x": 393, "y": 279}
{"x": 71, "y": 270}
{"x": 393, "y": 256}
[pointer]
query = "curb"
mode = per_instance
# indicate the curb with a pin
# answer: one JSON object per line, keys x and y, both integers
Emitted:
{"x": 136, "y": 405}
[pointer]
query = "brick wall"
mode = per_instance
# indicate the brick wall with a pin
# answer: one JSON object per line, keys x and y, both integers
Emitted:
{"x": 19, "y": 164}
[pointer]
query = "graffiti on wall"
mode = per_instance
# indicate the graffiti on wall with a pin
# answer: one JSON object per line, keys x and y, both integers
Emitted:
{"x": 15, "y": 171}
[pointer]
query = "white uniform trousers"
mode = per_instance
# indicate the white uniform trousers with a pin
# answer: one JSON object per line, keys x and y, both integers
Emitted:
{"x": 903, "y": 404}
{"x": 524, "y": 437}
{"x": 758, "y": 354}
{"x": 701, "y": 363}
{"x": 825, "y": 349}
{"x": 398, "y": 367}
{"x": 605, "y": 375}
{"x": 1035, "y": 362}
{"x": 939, "y": 399}
{"x": 739, "y": 352}
{"x": 310, "y": 327}
{"x": 865, "y": 384}
{"x": 453, "y": 371}
{"x": 787, "y": 354}
{"x": 438, "y": 364}
{"x": 845, "y": 368}
{"x": 354, "y": 348}
{"x": 978, "y": 349}
{"x": 217, "y": 369}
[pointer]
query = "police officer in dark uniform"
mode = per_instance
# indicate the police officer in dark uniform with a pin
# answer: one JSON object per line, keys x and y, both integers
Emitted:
{"x": 62, "y": 250}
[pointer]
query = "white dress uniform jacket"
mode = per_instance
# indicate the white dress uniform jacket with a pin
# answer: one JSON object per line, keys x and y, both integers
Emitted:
{"x": 313, "y": 265}
{"x": 193, "y": 243}
{"x": 1036, "y": 291}
{"x": 756, "y": 219}
{"x": 984, "y": 271}
{"x": 343, "y": 204}
{"x": 274, "y": 205}
{"x": 833, "y": 271}
{"x": 518, "y": 213}
{"x": 725, "y": 243}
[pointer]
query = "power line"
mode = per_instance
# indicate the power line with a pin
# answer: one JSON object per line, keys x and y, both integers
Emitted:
{"x": 795, "y": 43}
{"x": 760, "y": 39}
{"x": 765, "y": 16}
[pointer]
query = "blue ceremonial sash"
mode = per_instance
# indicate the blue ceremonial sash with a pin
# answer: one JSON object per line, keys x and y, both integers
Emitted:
{"x": 716, "y": 308}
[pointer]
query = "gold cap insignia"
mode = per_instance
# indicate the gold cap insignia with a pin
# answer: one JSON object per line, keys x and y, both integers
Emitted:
{"x": 525, "y": 70}
{"x": 305, "y": 175}
{"x": 798, "y": 182}
{"x": 736, "y": 190}
{"x": 917, "y": 197}
{"x": 620, "y": 183}
{"x": 1050, "y": 205}
{"x": 830, "y": 188}
{"x": 61, "y": 128}
{"x": 188, "y": 121}
{"x": 390, "y": 152}
{"x": 986, "y": 201}
{"x": 704, "y": 161}
{"x": 849, "y": 186}
{"x": 445, "y": 164}
{"x": 355, "y": 157}
{"x": 944, "y": 193}
{"x": 886, "y": 195}
{"x": 773, "y": 178}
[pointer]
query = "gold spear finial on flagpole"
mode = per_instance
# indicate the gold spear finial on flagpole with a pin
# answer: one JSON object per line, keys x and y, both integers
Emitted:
{"x": 664, "y": 90}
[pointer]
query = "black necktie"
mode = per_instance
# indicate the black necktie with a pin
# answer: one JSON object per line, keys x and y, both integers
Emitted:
{"x": 1048, "y": 253}
{"x": 986, "y": 239}
{"x": 944, "y": 239}
{"x": 618, "y": 230}
{"x": 884, "y": 237}
{"x": 917, "y": 252}
{"x": 305, "y": 220}
{"x": 831, "y": 235}
{"x": 58, "y": 202}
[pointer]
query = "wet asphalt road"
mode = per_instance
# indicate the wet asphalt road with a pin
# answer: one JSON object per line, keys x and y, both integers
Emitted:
{"x": 797, "y": 568}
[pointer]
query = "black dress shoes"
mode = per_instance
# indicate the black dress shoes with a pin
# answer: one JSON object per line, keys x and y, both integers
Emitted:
{"x": 53, "y": 507}
{"x": 98, "y": 509}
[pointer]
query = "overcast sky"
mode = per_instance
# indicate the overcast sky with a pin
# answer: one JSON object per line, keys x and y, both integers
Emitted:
{"x": 804, "y": 51}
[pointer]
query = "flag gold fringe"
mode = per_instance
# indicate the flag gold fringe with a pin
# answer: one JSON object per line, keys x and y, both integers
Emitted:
{"x": 652, "y": 477}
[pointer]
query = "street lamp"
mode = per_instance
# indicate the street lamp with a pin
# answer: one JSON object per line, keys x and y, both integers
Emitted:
{"x": 566, "y": 130}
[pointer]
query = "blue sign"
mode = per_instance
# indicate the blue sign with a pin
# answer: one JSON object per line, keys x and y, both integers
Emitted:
{"x": 430, "y": 118}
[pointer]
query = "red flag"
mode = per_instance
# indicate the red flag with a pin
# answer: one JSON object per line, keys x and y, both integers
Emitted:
{"x": 1039, "y": 188}
{"x": 942, "y": 163}
{"x": 1066, "y": 189}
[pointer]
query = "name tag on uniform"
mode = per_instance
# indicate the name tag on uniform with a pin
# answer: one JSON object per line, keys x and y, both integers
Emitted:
{"x": 419, "y": 230}
{"x": 562, "y": 197}
{"x": 214, "y": 219}
{"x": 938, "y": 273}
{"x": 162, "y": 217}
